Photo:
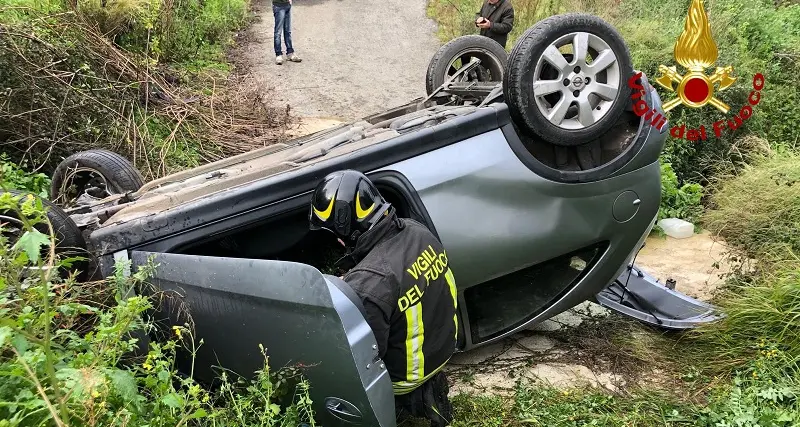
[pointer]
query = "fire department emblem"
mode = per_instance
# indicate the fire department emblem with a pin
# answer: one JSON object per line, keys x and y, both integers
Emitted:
{"x": 696, "y": 51}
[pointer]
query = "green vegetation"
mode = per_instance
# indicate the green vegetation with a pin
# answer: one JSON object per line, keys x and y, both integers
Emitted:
{"x": 678, "y": 201}
{"x": 13, "y": 177}
{"x": 65, "y": 350}
{"x": 760, "y": 209}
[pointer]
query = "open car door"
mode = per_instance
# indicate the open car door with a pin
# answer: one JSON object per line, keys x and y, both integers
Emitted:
{"x": 300, "y": 316}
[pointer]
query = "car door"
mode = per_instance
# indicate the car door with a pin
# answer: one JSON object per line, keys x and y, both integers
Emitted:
{"x": 301, "y": 317}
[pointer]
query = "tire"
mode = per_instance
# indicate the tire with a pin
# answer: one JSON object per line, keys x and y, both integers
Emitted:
{"x": 68, "y": 237}
{"x": 492, "y": 55}
{"x": 118, "y": 176}
{"x": 527, "y": 64}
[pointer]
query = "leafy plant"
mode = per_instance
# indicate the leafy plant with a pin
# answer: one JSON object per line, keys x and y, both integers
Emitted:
{"x": 679, "y": 201}
{"x": 66, "y": 349}
{"x": 13, "y": 177}
{"x": 766, "y": 393}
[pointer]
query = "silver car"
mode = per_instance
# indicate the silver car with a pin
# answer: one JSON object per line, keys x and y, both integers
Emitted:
{"x": 533, "y": 168}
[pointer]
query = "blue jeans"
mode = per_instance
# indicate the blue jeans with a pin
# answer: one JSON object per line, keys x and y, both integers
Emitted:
{"x": 283, "y": 22}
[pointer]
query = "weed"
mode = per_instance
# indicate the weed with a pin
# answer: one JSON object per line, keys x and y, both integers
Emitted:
{"x": 679, "y": 201}
{"x": 13, "y": 177}
{"x": 65, "y": 349}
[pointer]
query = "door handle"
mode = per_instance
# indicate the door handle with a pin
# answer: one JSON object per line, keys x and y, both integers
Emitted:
{"x": 339, "y": 410}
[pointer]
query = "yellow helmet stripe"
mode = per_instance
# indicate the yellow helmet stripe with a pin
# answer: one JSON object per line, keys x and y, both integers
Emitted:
{"x": 360, "y": 212}
{"x": 324, "y": 215}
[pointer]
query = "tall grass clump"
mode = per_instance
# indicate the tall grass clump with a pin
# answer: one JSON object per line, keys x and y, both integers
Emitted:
{"x": 65, "y": 348}
{"x": 759, "y": 310}
{"x": 759, "y": 210}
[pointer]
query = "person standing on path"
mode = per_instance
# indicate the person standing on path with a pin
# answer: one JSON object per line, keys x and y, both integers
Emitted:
{"x": 496, "y": 20}
{"x": 282, "y": 10}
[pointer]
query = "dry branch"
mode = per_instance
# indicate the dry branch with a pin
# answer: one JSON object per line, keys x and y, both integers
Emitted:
{"x": 65, "y": 87}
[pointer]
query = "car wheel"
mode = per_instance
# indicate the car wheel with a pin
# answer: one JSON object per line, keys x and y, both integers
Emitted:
{"x": 93, "y": 175}
{"x": 568, "y": 99}
{"x": 458, "y": 52}
{"x": 68, "y": 237}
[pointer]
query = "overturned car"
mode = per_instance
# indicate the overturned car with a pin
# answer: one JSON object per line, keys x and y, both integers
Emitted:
{"x": 532, "y": 168}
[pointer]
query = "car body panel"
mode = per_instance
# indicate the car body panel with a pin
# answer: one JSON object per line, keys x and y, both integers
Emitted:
{"x": 495, "y": 216}
{"x": 289, "y": 308}
{"x": 641, "y": 296}
{"x": 175, "y": 215}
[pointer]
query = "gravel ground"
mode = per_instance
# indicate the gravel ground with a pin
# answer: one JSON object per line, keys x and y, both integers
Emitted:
{"x": 359, "y": 58}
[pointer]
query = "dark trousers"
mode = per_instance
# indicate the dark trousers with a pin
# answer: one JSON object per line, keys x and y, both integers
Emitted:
{"x": 428, "y": 401}
{"x": 283, "y": 24}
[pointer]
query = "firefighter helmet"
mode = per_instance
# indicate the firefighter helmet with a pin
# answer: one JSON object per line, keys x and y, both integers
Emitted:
{"x": 348, "y": 204}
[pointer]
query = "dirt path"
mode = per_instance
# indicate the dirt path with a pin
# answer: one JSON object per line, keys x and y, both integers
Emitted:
{"x": 359, "y": 57}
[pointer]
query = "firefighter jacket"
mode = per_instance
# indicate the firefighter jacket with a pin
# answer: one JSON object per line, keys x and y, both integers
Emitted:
{"x": 407, "y": 288}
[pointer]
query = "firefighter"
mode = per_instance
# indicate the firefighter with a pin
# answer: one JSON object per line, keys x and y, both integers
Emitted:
{"x": 400, "y": 271}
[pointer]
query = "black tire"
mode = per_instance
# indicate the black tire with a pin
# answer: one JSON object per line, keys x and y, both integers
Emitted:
{"x": 519, "y": 78}
{"x": 492, "y": 55}
{"x": 68, "y": 237}
{"x": 119, "y": 175}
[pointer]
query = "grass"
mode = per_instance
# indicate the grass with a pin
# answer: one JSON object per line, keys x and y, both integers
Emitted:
{"x": 539, "y": 404}
{"x": 759, "y": 211}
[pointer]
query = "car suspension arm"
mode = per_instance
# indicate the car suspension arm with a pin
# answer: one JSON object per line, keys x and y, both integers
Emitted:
{"x": 474, "y": 62}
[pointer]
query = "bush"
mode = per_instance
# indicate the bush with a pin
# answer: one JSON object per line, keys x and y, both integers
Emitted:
{"x": 679, "y": 201}
{"x": 68, "y": 88}
{"x": 13, "y": 177}
{"x": 759, "y": 211}
{"x": 184, "y": 30}
{"x": 65, "y": 347}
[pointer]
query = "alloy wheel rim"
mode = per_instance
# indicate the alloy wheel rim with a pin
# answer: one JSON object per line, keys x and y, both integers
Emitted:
{"x": 586, "y": 83}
